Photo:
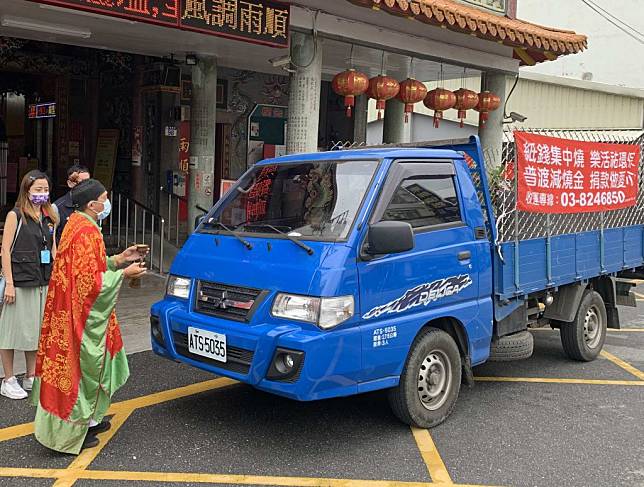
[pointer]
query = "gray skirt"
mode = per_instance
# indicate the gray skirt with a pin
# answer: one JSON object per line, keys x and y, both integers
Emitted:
{"x": 20, "y": 322}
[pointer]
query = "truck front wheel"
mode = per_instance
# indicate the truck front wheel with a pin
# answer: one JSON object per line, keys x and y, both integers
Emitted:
{"x": 430, "y": 382}
{"x": 584, "y": 338}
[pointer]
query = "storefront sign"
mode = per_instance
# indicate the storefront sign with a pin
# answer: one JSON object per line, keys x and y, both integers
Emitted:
{"x": 155, "y": 11}
{"x": 106, "y": 150}
{"x": 259, "y": 21}
{"x": 42, "y": 110}
{"x": 569, "y": 176}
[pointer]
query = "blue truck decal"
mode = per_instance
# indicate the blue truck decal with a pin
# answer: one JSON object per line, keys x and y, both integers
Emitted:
{"x": 423, "y": 295}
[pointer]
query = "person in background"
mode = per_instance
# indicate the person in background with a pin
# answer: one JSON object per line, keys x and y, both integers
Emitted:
{"x": 28, "y": 247}
{"x": 75, "y": 175}
{"x": 81, "y": 362}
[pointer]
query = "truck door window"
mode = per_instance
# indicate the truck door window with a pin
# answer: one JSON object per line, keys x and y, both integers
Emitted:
{"x": 424, "y": 201}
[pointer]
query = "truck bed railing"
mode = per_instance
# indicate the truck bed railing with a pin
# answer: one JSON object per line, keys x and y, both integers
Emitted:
{"x": 520, "y": 225}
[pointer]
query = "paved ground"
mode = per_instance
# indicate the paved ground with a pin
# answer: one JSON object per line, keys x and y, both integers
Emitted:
{"x": 546, "y": 421}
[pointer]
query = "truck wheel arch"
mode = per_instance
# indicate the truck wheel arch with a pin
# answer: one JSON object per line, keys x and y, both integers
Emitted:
{"x": 568, "y": 299}
{"x": 456, "y": 330}
{"x": 566, "y": 303}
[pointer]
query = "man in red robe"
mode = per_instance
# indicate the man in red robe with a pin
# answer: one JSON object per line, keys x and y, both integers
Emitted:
{"x": 81, "y": 362}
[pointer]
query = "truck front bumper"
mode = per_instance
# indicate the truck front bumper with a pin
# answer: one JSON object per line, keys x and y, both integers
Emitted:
{"x": 325, "y": 364}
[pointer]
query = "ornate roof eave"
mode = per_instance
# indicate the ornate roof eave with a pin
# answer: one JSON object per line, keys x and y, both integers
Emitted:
{"x": 532, "y": 43}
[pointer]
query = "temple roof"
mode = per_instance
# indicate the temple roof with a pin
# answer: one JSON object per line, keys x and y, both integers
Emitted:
{"x": 532, "y": 43}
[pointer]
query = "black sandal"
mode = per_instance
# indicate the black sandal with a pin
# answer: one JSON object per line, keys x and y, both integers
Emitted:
{"x": 90, "y": 441}
{"x": 101, "y": 427}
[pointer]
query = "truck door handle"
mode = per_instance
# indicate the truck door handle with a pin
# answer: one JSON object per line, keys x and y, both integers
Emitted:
{"x": 465, "y": 255}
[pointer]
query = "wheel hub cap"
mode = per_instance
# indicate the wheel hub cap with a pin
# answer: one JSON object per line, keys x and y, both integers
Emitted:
{"x": 592, "y": 327}
{"x": 434, "y": 380}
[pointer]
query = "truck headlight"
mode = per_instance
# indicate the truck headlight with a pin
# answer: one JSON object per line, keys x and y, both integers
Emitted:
{"x": 178, "y": 287}
{"x": 323, "y": 312}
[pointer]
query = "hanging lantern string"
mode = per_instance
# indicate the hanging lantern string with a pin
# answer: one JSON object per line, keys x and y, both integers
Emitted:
{"x": 382, "y": 65}
{"x": 411, "y": 67}
{"x": 351, "y": 57}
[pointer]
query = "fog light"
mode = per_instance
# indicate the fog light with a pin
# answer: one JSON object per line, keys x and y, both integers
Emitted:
{"x": 288, "y": 361}
{"x": 286, "y": 365}
{"x": 155, "y": 330}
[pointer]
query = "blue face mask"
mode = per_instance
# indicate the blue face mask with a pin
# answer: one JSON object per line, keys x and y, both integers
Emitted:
{"x": 107, "y": 209}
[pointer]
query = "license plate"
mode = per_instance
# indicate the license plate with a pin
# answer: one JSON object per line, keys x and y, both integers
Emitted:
{"x": 207, "y": 344}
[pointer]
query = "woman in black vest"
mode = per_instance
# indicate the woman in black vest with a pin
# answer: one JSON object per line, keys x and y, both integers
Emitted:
{"x": 28, "y": 248}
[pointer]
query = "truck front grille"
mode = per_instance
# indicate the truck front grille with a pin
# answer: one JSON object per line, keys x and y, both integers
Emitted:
{"x": 224, "y": 301}
{"x": 239, "y": 360}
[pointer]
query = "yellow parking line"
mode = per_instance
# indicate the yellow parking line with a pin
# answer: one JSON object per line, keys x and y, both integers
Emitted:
{"x": 25, "y": 429}
{"x": 244, "y": 479}
{"x": 82, "y": 461}
{"x": 624, "y": 365}
{"x": 32, "y": 473}
{"x": 18, "y": 431}
{"x": 180, "y": 477}
{"x": 552, "y": 380}
{"x": 179, "y": 392}
{"x": 437, "y": 470}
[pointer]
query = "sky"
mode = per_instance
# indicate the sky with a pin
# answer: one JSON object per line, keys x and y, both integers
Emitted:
{"x": 612, "y": 56}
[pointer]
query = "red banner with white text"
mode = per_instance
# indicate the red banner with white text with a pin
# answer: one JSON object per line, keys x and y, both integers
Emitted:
{"x": 569, "y": 176}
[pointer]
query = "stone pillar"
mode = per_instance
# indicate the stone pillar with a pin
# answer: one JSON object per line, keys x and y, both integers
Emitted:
{"x": 395, "y": 130}
{"x": 492, "y": 134}
{"x": 202, "y": 144}
{"x": 304, "y": 98}
{"x": 361, "y": 119}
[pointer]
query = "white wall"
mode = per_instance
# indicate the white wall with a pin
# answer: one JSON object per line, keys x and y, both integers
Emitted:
{"x": 423, "y": 130}
{"x": 612, "y": 56}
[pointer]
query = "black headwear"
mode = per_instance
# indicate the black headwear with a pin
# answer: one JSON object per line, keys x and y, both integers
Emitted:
{"x": 86, "y": 191}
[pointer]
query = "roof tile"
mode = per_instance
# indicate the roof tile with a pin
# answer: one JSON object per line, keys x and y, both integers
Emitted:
{"x": 471, "y": 20}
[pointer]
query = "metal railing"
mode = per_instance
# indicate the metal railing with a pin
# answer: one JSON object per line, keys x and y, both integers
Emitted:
{"x": 176, "y": 230}
{"x": 514, "y": 224}
{"x": 131, "y": 222}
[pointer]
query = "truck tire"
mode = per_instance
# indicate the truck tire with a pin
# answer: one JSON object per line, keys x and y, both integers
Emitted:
{"x": 518, "y": 346}
{"x": 430, "y": 382}
{"x": 583, "y": 338}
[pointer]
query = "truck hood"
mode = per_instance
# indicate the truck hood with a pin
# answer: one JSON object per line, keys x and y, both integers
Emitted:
{"x": 274, "y": 264}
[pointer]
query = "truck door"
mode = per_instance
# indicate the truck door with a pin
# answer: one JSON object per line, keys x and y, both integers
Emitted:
{"x": 399, "y": 293}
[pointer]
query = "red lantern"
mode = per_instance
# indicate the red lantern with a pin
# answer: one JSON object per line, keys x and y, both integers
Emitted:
{"x": 350, "y": 84}
{"x": 488, "y": 102}
{"x": 465, "y": 100}
{"x": 382, "y": 88}
{"x": 439, "y": 100}
{"x": 411, "y": 92}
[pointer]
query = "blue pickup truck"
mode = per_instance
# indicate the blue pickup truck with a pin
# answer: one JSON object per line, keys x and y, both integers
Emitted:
{"x": 331, "y": 274}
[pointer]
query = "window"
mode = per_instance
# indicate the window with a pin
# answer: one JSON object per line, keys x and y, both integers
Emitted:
{"x": 316, "y": 200}
{"x": 424, "y": 201}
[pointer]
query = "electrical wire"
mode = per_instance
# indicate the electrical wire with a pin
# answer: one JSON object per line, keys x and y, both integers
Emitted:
{"x": 507, "y": 98}
{"x": 616, "y": 18}
{"x": 599, "y": 12}
{"x": 315, "y": 45}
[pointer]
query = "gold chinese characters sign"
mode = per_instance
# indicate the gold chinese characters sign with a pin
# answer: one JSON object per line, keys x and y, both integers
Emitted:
{"x": 259, "y": 21}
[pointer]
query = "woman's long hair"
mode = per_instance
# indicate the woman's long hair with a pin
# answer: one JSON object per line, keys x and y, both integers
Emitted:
{"x": 24, "y": 204}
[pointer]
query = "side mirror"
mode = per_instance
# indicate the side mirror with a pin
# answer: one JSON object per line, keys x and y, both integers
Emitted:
{"x": 390, "y": 237}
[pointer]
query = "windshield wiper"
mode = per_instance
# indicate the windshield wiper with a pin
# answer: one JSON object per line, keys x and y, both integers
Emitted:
{"x": 308, "y": 249}
{"x": 246, "y": 243}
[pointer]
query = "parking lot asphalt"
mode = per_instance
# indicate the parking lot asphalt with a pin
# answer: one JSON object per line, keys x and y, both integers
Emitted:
{"x": 545, "y": 421}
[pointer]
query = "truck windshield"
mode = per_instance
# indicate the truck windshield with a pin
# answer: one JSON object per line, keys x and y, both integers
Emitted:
{"x": 318, "y": 200}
